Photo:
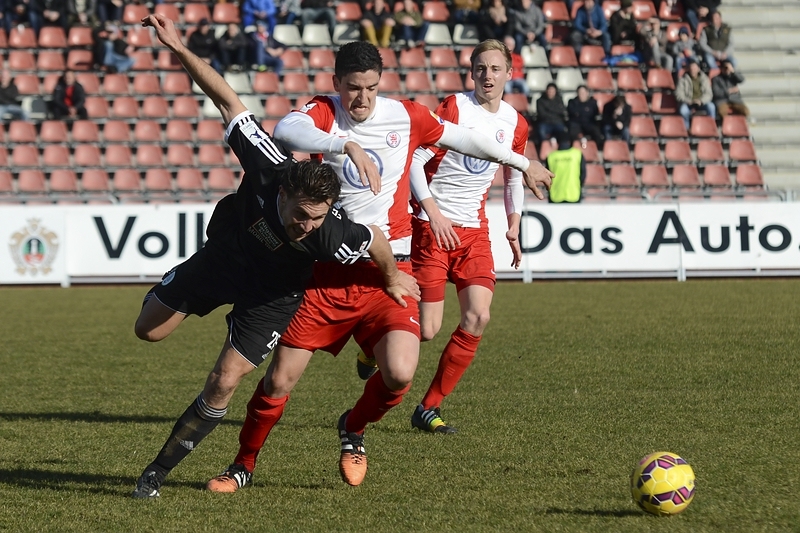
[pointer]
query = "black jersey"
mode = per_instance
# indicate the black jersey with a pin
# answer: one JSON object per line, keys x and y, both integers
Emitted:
{"x": 246, "y": 227}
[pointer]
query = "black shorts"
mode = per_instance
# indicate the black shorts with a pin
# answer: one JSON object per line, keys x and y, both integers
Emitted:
{"x": 208, "y": 280}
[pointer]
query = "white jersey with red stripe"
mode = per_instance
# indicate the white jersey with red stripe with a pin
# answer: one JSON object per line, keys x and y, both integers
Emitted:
{"x": 460, "y": 184}
{"x": 389, "y": 136}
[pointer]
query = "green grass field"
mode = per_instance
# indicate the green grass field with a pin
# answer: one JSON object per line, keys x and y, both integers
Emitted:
{"x": 573, "y": 383}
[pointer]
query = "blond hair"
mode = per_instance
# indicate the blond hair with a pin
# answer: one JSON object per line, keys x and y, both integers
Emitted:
{"x": 488, "y": 45}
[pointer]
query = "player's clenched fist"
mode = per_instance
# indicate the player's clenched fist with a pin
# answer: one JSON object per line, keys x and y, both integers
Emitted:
{"x": 165, "y": 30}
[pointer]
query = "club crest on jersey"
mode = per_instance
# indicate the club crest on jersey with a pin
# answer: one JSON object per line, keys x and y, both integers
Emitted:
{"x": 350, "y": 172}
{"x": 393, "y": 139}
{"x": 476, "y": 166}
{"x": 500, "y": 136}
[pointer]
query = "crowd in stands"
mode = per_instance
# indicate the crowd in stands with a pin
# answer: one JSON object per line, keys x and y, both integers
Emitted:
{"x": 600, "y": 52}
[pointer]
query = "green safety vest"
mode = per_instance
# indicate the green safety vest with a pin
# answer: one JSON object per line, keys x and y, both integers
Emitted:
{"x": 566, "y": 168}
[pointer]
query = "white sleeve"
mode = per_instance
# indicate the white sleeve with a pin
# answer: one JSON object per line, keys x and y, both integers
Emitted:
{"x": 472, "y": 143}
{"x": 299, "y": 133}
{"x": 513, "y": 191}
{"x": 419, "y": 182}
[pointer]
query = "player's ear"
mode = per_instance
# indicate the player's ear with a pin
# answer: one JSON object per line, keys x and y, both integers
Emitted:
{"x": 335, "y": 83}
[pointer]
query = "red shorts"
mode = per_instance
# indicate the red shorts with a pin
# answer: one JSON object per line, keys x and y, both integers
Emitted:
{"x": 349, "y": 300}
{"x": 471, "y": 263}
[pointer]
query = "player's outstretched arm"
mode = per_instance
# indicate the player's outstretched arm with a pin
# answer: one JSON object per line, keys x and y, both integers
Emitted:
{"x": 223, "y": 96}
{"x": 398, "y": 283}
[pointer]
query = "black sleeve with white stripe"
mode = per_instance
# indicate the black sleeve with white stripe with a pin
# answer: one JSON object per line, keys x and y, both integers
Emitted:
{"x": 340, "y": 239}
{"x": 254, "y": 147}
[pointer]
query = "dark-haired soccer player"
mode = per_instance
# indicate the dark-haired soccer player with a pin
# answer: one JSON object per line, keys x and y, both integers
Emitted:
{"x": 345, "y": 302}
{"x": 262, "y": 244}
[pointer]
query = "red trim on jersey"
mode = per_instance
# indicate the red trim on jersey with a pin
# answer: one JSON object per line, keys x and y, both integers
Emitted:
{"x": 448, "y": 110}
{"x": 482, "y": 211}
{"x": 323, "y": 112}
{"x": 520, "y": 135}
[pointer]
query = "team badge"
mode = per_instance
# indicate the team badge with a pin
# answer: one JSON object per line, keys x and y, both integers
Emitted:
{"x": 350, "y": 172}
{"x": 393, "y": 139}
{"x": 33, "y": 248}
{"x": 500, "y": 136}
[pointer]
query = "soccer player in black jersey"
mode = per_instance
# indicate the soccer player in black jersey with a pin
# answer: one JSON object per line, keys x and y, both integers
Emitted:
{"x": 262, "y": 243}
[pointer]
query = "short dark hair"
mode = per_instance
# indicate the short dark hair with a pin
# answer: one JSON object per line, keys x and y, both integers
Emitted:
{"x": 358, "y": 56}
{"x": 553, "y": 85}
{"x": 312, "y": 180}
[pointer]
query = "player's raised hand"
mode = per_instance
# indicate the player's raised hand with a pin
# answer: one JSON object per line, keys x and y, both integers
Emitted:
{"x": 442, "y": 228}
{"x": 165, "y": 30}
{"x": 401, "y": 285}
{"x": 367, "y": 171}
{"x": 513, "y": 240}
{"x": 537, "y": 176}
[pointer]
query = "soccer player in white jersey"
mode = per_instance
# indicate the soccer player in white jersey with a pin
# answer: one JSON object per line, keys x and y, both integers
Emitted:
{"x": 451, "y": 233}
{"x": 339, "y": 303}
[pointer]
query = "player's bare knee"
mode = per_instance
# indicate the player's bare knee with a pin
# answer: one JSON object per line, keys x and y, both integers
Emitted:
{"x": 398, "y": 379}
{"x": 475, "y": 322}
{"x": 146, "y": 333}
{"x": 427, "y": 332}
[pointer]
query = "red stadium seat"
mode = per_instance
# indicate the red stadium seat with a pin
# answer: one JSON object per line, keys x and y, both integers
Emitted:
{"x": 465, "y": 57}
{"x": 143, "y": 61}
{"x": 31, "y": 181}
{"x": 116, "y": 84}
{"x": 448, "y": 81}
{"x": 518, "y": 101}
{"x": 225, "y": 13}
{"x": 592, "y": 56}
{"x": 149, "y": 155}
{"x": 678, "y": 151}
{"x": 735, "y": 126}
{"x": 742, "y": 150}
{"x": 643, "y": 126}
{"x": 155, "y": 107}
{"x": 147, "y": 131}
{"x": 590, "y": 153}
{"x": 139, "y": 37}
{"x": 127, "y": 179}
{"x": 710, "y": 150}
{"x": 27, "y": 84}
{"x": 609, "y": 7}
{"x": 647, "y": 152}
{"x": 177, "y": 83}
{"x": 55, "y": 155}
{"x": 418, "y": 81}
{"x": 185, "y": 107}
{"x": 655, "y": 176}
{"x": 89, "y": 81}
{"x": 563, "y": 56}
{"x": 625, "y": 49}
{"x": 673, "y": 30}
{"x": 194, "y": 13}
{"x": 134, "y": 13}
{"x": 389, "y": 58}
{"x": 443, "y": 57}
{"x": 118, "y": 155}
{"x": 87, "y": 155}
{"x": 22, "y": 37}
{"x": 54, "y": 131}
{"x": 3, "y": 156}
{"x": 25, "y": 155}
{"x": 600, "y": 79}
{"x": 279, "y": 106}
{"x": 623, "y": 176}
{"x": 659, "y": 79}
{"x": 749, "y": 176}
{"x": 685, "y": 176}
{"x": 595, "y": 177}
{"x": 169, "y": 11}
{"x": 323, "y": 83}
{"x": 663, "y": 104}
{"x": 211, "y": 155}
{"x": 671, "y": 13}
{"x": 157, "y": 180}
{"x": 703, "y": 126}
{"x": 266, "y": 83}
{"x": 616, "y": 152}
{"x": 210, "y": 131}
{"x": 80, "y": 60}
{"x": 644, "y": 9}
{"x": 167, "y": 60}
{"x": 20, "y": 131}
{"x": 125, "y": 107}
{"x": 189, "y": 180}
{"x": 63, "y": 181}
{"x": 95, "y": 180}
{"x": 413, "y": 58}
{"x": 672, "y": 126}
{"x": 180, "y": 155}
{"x": 21, "y": 60}
{"x": 116, "y": 131}
{"x": 146, "y": 83}
{"x": 321, "y": 58}
{"x": 85, "y": 131}
{"x": 52, "y": 37}
{"x": 717, "y": 176}
{"x": 555, "y": 11}
{"x": 389, "y": 82}
{"x": 348, "y": 12}
{"x": 435, "y": 11}
{"x": 3, "y": 41}
{"x": 221, "y": 179}
{"x": 638, "y": 103}
{"x": 81, "y": 36}
{"x": 630, "y": 79}
{"x": 179, "y": 131}
{"x": 96, "y": 107}
{"x": 296, "y": 83}
{"x": 293, "y": 60}
{"x": 51, "y": 60}
{"x": 431, "y": 101}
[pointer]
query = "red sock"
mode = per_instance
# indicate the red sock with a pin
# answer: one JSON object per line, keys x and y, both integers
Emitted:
{"x": 456, "y": 357}
{"x": 263, "y": 413}
{"x": 373, "y": 404}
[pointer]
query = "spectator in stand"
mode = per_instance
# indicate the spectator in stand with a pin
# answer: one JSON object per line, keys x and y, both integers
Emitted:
{"x": 551, "y": 116}
{"x": 583, "y": 118}
{"x": 14, "y": 13}
{"x": 268, "y": 51}
{"x": 716, "y": 42}
{"x": 466, "y": 11}
{"x": 47, "y": 13}
{"x": 653, "y": 43}
{"x": 378, "y": 22}
{"x": 494, "y": 21}
{"x": 528, "y": 24}
{"x": 623, "y": 25}
{"x": 590, "y": 27}
{"x": 289, "y": 11}
{"x": 699, "y": 10}
{"x": 319, "y": 11}
{"x": 109, "y": 10}
{"x": 8, "y": 98}
{"x": 233, "y": 49}
{"x": 117, "y": 52}
{"x": 69, "y": 98}
{"x": 254, "y": 11}
{"x": 617, "y": 119}
{"x": 204, "y": 45}
{"x": 81, "y": 12}
{"x": 725, "y": 88}
{"x": 693, "y": 93}
{"x": 517, "y": 82}
{"x": 411, "y": 27}
{"x": 683, "y": 49}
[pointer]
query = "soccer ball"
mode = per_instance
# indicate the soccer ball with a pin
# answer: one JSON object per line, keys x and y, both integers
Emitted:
{"x": 662, "y": 484}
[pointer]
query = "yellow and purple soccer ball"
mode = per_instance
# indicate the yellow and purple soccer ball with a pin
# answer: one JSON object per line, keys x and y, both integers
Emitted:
{"x": 663, "y": 484}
